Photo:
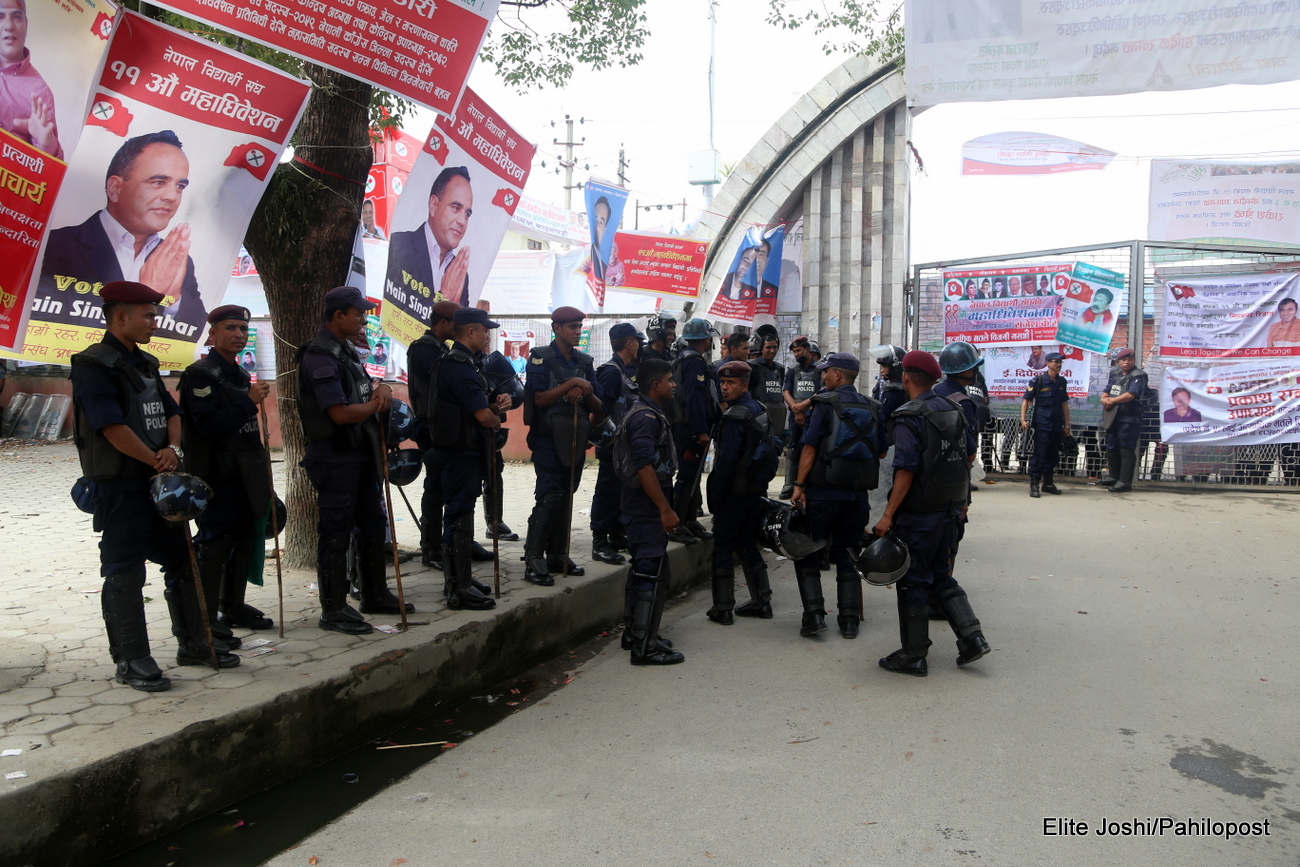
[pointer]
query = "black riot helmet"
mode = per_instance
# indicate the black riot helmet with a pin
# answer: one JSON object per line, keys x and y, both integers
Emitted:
{"x": 401, "y": 422}
{"x": 788, "y": 531}
{"x": 890, "y": 357}
{"x": 179, "y": 496}
{"x": 654, "y": 330}
{"x": 761, "y": 335}
{"x": 602, "y": 435}
{"x": 278, "y": 519}
{"x": 958, "y": 357}
{"x": 403, "y": 466}
{"x": 884, "y": 561}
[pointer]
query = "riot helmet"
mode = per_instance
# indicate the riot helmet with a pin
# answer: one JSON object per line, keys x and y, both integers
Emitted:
{"x": 179, "y": 496}
{"x": 401, "y": 422}
{"x": 890, "y": 357}
{"x": 602, "y": 435}
{"x": 789, "y": 531}
{"x": 403, "y": 466}
{"x": 278, "y": 519}
{"x": 884, "y": 561}
{"x": 959, "y": 357}
{"x": 698, "y": 329}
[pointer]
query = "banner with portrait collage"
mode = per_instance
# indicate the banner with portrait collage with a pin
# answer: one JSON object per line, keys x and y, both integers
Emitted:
{"x": 1253, "y": 403}
{"x": 1250, "y": 316}
{"x": 648, "y": 263}
{"x": 454, "y": 212}
{"x": 605, "y": 203}
{"x": 1003, "y": 305}
{"x": 186, "y": 133}
{"x": 1090, "y": 306}
{"x": 752, "y": 282}
{"x": 1009, "y": 369}
{"x": 51, "y": 53}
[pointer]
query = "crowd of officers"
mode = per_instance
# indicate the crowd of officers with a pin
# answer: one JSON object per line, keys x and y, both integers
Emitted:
{"x": 652, "y": 410}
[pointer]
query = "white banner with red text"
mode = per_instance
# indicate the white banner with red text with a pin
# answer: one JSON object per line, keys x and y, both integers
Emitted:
{"x": 1239, "y": 404}
{"x": 1230, "y": 317}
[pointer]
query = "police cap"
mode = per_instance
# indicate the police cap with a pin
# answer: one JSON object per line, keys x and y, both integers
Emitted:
{"x": 735, "y": 370}
{"x": 801, "y": 340}
{"x": 346, "y": 297}
{"x": 1125, "y": 353}
{"x": 473, "y": 316}
{"x": 625, "y": 329}
{"x": 922, "y": 362}
{"x": 128, "y": 292}
{"x": 228, "y": 311}
{"x": 565, "y": 315}
{"x": 445, "y": 309}
{"x": 844, "y": 360}
{"x": 1055, "y": 356}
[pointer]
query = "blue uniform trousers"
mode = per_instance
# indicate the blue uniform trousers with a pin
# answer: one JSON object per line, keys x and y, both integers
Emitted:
{"x": 735, "y": 531}
{"x": 931, "y": 538}
{"x": 1047, "y": 451}
{"x": 1123, "y": 434}
{"x": 134, "y": 532}
{"x": 604, "y": 503}
{"x": 462, "y": 484}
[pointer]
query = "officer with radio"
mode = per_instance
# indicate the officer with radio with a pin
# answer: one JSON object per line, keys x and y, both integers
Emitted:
{"x": 1050, "y": 398}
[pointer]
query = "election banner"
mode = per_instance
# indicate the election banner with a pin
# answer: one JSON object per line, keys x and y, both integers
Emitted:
{"x": 448, "y": 225}
{"x": 418, "y": 49}
{"x": 1223, "y": 201}
{"x": 1253, "y": 403}
{"x": 248, "y": 358}
{"x": 1008, "y": 370}
{"x": 752, "y": 283}
{"x": 605, "y": 203}
{"x": 979, "y": 50}
{"x": 1090, "y": 307}
{"x": 1230, "y": 317}
{"x": 1003, "y": 305}
{"x": 653, "y": 264}
{"x": 515, "y": 346}
{"x": 180, "y": 140}
{"x": 49, "y": 53}
{"x": 375, "y": 356}
{"x": 1030, "y": 153}
{"x": 545, "y": 222}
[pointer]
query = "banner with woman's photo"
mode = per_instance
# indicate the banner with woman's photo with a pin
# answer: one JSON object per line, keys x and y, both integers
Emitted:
{"x": 1231, "y": 317}
{"x": 454, "y": 211}
{"x": 179, "y": 143}
{"x": 752, "y": 283}
{"x": 1003, "y": 305}
{"x": 1253, "y": 403}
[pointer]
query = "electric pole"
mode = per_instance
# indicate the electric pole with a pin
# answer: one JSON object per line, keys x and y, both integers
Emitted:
{"x": 622, "y": 168}
{"x": 568, "y": 161}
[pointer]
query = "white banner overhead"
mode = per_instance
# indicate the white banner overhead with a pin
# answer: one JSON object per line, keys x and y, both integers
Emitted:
{"x": 981, "y": 50}
{"x": 1218, "y": 201}
{"x": 1030, "y": 153}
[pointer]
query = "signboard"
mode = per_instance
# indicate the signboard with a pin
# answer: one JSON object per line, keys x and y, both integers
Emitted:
{"x": 752, "y": 283}
{"x": 1230, "y": 317}
{"x": 1242, "y": 404}
{"x": 1210, "y": 200}
{"x": 605, "y": 203}
{"x": 1004, "y": 305}
{"x": 248, "y": 358}
{"x": 1009, "y": 369}
{"x": 1090, "y": 306}
{"x": 1030, "y": 153}
{"x": 653, "y": 264}
{"x": 550, "y": 222}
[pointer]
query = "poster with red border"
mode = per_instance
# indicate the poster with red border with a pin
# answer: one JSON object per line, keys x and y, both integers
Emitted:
{"x": 752, "y": 283}
{"x": 647, "y": 263}
{"x": 992, "y": 305}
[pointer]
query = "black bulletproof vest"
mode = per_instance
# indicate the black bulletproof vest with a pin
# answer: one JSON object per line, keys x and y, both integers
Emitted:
{"x": 944, "y": 480}
{"x": 770, "y": 382}
{"x": 316, "y": 423}
{"x": 240, "y": 455}
{"x": 142, "y": 406}
{"x": 665, "y": 458}
{"x": 455, "y": 426}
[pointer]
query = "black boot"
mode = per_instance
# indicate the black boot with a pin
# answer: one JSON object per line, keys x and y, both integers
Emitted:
{"x": 501, "y": 532}
{"x": 332, "y": 581}
{"x": 1049, "y": 487}
{"x": 682, "y": 536}
{"x": 1113, "y": 465}
{"x": 432, "y": 557}
{"x": 724, "y": 597}
{"x": 760, "y": 592}
{"x": 1128, "y": 466}
{"x": 122, "y": 600}
{"x": 188, "y": 627}
{"x": 1033, "y": 487}
{"x": 965, "y": 625}
{"x": 618, "y": 539}
{"x": 602, "y": 549}
{"x": 539, "y": 536}
{"x": 142, "y": 674}
{"x": 214, "y": 570}
{"x": 809, "y": 581}
{"x": 376, "y": 598}
{"x": 696, "y": 529}
{"x": 234, "y": 610}
{"x": 647, "y": 611}
{"x": 848, "y": 592}
{"x": 461, "y": 592}
{"x": 556, "y": 561}
{"x": 910, "y": 658}
{"x": 477, "y": 551}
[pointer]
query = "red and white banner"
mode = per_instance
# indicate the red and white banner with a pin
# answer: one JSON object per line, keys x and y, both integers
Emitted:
{"x": 1222, "y": 201}
{"x": 1231, "y": 317}
{"x": 50, "y": 52}
{"x": 751, "y": 285}
{"x": 456, "y": 208}
{"x": 1030, "y": 153}
{"x": 1242, "y": 404}
{"x": 418, "y": 49}
{"x": 1003, "y": 305}
{"x": 1008, "y": 370}
{"x": 652, "y": 264}
{"x": 179, "y": 141}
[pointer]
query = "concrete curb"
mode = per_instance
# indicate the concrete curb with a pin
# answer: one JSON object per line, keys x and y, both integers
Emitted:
{"x": 92, "y": 812}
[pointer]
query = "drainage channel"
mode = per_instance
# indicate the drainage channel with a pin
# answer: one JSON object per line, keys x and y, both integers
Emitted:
{"x": 256, "y": 829}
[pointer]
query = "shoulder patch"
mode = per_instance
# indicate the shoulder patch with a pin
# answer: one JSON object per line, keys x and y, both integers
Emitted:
{"x": 700, "y": 377}
{"x": 202, "y": 392}
{"x": 535, "y": 360}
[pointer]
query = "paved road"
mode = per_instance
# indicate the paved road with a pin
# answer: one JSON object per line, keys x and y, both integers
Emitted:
{"x": 1143, "y": 666}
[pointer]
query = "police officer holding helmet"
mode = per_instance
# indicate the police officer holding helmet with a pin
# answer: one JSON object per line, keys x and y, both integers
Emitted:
{"x": 694, "y": 411}
{"x": 1050, "y": 398}
{"x": 934, "y": 447}
{"x": 1122, "y": 419}
{"x": 127, "y": 428}
{"x": 616, "y": 388}
{"x": 559, "y": 396}
{"x": 802, "y": 381}
{"x": 339, "y": 407}
{"x": 839, "y": 464}
{"x": 420, "y": 360}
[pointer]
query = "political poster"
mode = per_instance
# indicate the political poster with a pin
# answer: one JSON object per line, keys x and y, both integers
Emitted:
{"x": 248, "y": 358}
{"x": 520, "y": 282}
{"x": 646, "y": 263}
{"x": 545, "y": 222}
{"x": 605, "y": 203}
{"x": 1030, "y": 153}
{"x": 1009, "y": 369}
{"x": 1230, "y": 317}
{"x": 418, "y": 49}
{"x": 1209, "y": 200}
{"x": 1003, "y": 305}
{"x": 448, "y": 225}
{"x": 1090, "y": 307}
{"x": 979, "y": 50}
{"x": 1252, "y": 403}
{"x": 375, "y": 355}
{"x": 515, "y": 346}
{"x": 180, "y": 140}
{"x": 49, "y": 54}
{"x": 752, "y": 282}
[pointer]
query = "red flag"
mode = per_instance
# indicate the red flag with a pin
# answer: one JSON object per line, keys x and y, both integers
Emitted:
{"x": 1182, "y": 292}
{"x": 437, "y": 146}
{"x": 1080, "y": 291}
{"x": 108, "y": 112}
{"x": 102, "y": 26}
{"x": 252, "y": 157}
{"x": 507, "y": 200}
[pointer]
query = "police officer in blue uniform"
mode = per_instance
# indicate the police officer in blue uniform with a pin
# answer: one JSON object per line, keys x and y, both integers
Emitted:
{"x": 839, "y": 464}
{"x": 1050, "y": 398}
{"x": 420, "y": 360}
{"x": 888, "y": 390}
{"x": 1122, "y": 419}
{"x": 934, "y": 447}
{"x": 768, "y": 378}
{"x": 339, "y": 406}
{"x": 745, "y": 461}
{"x": 502, "y": 380}
{"x": 465, "y": 423}
{"x": 223, "y": 446}
{"x": 559, "y": 398}
{"x": 661, "y": 334}
{"x": 616, "y": 388}
{"x": 694, "y": 410}
{"x": 645, "y": 460}
{"x": 802, "y": 381}
{"x": 127, "y": 428}
{"x": 960, "y": 363}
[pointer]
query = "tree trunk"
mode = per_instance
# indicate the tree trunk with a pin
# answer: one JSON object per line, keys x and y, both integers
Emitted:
{"x": 301, "y": 238}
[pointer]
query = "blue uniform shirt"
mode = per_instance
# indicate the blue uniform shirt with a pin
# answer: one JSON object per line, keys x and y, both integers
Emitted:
{"x": 730, "y": 444}
{"x": 97, "y": 393}
{"x": 539, "y": 379}
{"x": 459, "y": 384}
{"x": 1131, "y": 411}
{"x": 817, "y": 429}
{"x": 643, "y": 432}
{"x": 697, "y": 394}
{"x": 1049, "y": 397}
{"x": 324, "y": 376}
{"x": 609, "y": 381}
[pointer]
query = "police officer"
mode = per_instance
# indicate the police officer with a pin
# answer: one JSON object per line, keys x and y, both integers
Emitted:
{"x": 645, "y": 459}
{"x": 502, "y": 380}
{"x": 839, "y": 464}
{"x": 466, "y": 423}
{"x": 694, "y": 410}
{"x": 767, "y": 380}
{"x": 127, "y": 428}
{"x": 736, "y": 348}
{"x": 889, "y": 392}
{"x": 661, "y": 332}
{"x": 616, "y": 388}
{"x": 960, "y": 363}
{"x": 934, "y": 447}
{"x": 1122, "y": 419}
{"x": 744, "y": 462}
{"x": 559, "y": 395}
{"x": 801, "y": 382}
{"x": 420, "y": 360}
{"x": 1051, "y": 424}
{"x": 338, "y": 407}
{"x": 219, "y": 406}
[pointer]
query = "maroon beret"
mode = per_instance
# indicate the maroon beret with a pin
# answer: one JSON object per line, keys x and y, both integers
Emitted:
{"x": 229, "y": 311}
{"x": 734, "y": 370}
{"x": 129, "y": 292}
{"x": 446, "y": 309}
{"x": 1125, "y": 353}
{"x": 922, "y": 362}
{"x": 561, "y": 315}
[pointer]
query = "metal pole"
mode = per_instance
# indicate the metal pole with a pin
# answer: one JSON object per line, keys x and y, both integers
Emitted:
{"x": 203, "y": 602}
{"x": 275, "y": 523}
{"x": 1136, "y": 297}
{"x": 495, "y": 515}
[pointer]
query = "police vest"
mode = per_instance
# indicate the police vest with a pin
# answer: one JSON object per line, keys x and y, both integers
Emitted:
{"x": 665, "y": 456}
{"x": 944, "y": 480}
{"x": 456, "y": 427}
{"x": 1129, "y": 410}
{"x": 627, "y": 394}
{"x": 770, "y": 382}
{"x": 316, "y": 423}
{"x": 421, "y": 392}
{"x": 1043, "y": 409}
{"x": 759, "y": 456}
{"x": 806, "y": 382}
{"x": 846, "y": 458}
{"x": 560, "y": 421}
{"x": 140, "y": 395}
{"x": 240, "y": 455}
{"x": 677, "y": 409}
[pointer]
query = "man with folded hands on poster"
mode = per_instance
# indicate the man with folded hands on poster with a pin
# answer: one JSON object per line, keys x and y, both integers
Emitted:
{"x": 26, "y": 101}
{"x": 431, "y": 255}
